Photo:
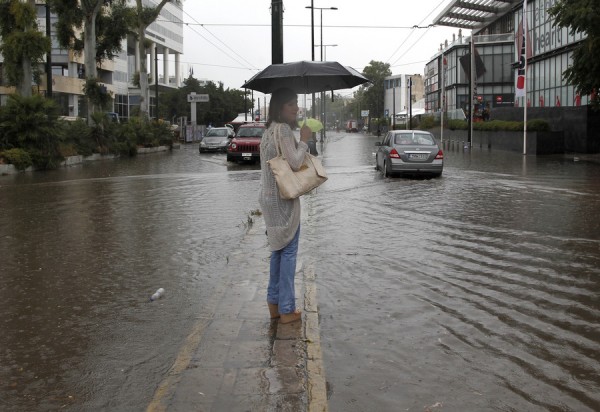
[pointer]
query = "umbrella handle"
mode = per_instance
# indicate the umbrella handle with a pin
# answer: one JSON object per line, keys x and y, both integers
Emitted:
{"x": 304, "y": 111}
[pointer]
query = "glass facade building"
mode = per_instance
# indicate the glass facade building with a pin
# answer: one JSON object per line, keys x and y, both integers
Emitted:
{"x": 549, "y": 54}
{"x": 447, "y": 74}
{"x": 498, "y": 36}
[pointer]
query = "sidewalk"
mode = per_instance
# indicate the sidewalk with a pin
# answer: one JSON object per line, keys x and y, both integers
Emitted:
{"x": 239, "y": 360}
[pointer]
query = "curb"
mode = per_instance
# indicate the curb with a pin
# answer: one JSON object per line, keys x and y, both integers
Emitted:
{"x": 316, "y": 386}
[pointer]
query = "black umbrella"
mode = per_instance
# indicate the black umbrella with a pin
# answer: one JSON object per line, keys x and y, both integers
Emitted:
{"x": 305, "y": 77}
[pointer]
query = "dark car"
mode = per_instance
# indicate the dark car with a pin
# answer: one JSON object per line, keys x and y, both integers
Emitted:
{"x": 216, "y": 139}
{"x": 245, "y": 146}
{"x": 413, "y": 152}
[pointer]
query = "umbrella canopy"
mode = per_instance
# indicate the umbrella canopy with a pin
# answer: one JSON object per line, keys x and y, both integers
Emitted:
{"x": 305, "y": 77}
{"x": 314, "y": 124}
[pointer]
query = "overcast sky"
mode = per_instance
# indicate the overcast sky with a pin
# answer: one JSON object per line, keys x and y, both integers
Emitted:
{"x": 230, "y": 40}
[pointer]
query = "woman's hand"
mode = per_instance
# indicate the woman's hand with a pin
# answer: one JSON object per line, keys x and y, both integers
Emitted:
{"x": 305, "y": 134}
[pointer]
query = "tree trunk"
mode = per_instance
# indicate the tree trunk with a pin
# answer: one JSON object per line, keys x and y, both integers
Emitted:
{"x": 89, "y": 46}
{"x": 143, "y": 75}
{"x": 24, "y": 88}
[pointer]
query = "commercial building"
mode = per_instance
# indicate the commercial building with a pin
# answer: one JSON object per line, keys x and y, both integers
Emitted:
{"x": 164, "y": 45}
{"x": 497, "y": 47}
{"x": 497, "y": 33}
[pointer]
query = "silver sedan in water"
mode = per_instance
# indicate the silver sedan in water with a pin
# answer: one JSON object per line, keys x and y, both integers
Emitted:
{"x": 413, "y": 152}
{"x": 216, "y": 139}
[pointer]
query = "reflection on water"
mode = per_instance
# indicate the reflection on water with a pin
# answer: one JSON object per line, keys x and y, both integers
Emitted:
{"x": 477, "y": 290}
{"x": 84, "y": 249}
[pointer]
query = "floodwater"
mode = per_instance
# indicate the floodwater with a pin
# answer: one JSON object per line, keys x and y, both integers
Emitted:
{"x": 477, "y": 291}
{"x": 84, "y": 248}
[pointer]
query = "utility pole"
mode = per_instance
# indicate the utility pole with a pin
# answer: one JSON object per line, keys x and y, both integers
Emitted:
{"x": 276, "y": 31}
{"x": 394, "y": 105}
{"x": 410, "y": 103}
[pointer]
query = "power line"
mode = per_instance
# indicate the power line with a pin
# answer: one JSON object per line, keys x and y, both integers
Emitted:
{"x": 207, "y": 40}
{"x": 302, "y": 25}
{"x": 416, "y": 26}
{"x": 250, "y": 64}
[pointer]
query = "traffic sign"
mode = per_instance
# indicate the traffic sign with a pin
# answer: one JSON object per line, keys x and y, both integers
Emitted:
{"x": 197, "y": 98}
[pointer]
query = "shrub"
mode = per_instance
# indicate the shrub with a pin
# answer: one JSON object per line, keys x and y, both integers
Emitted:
{"x": 534, "y": 125}
{"x": 538, "y": 125}
{"x": 455, "y": 124}
{"x": 31, "y": 123}
{"x": 428, "y": 122}
{"x": 78, "y": 134}
{"x": 19, "y": 158}
{"x": 147, "y": 133}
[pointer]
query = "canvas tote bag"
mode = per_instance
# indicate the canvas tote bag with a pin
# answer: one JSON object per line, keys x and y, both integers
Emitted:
{"x": 294, "y": 184}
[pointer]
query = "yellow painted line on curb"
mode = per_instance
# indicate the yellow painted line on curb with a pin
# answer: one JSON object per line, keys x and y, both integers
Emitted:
{"x": 166, "y": 387}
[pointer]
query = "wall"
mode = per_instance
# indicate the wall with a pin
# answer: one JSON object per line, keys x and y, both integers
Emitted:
{"x": 580, "y": 125}
{"x": 538, "y": 143}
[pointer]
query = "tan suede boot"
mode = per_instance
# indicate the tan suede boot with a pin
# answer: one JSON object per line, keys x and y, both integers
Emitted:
{"x": 291, "y": 317}
{"x": 273, "y": 310}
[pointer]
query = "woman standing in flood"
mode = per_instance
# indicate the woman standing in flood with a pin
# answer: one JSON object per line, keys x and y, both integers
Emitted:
{"x": 282, "y": 217}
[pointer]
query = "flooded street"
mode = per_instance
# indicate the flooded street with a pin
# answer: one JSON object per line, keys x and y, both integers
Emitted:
{"x": 477, "y": 291}
{"x": 84, "y": 248}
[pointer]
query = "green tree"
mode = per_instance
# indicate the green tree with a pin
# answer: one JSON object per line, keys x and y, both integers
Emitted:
{"x": 222, "y": 107}
{"x": 582, "y": 16}
{"x": 372, "y": 95}
{"x": 23, "y": 45}
{"x": 338, "y": 111}
{"x": 95, "y": 28}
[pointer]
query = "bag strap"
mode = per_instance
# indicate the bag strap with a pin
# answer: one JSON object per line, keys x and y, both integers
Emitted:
{"x": 277, "y": 138}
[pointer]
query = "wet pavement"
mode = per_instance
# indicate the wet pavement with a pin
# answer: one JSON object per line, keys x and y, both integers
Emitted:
{"x": 89, "y": 245}
{"x": 235, "y": 361}
{"x": 473, "y": 292}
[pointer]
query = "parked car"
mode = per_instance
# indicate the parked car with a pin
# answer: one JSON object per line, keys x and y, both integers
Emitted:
{"x": 216, "y": 139}
{"x": 245, "y": 146}
{"x": 412, "y": 152}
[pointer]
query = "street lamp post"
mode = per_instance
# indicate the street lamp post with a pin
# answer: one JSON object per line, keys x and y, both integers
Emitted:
{"x": 313, "y": 8}
{"x": 325, "y": 46}
{"x": 323, "y": 100}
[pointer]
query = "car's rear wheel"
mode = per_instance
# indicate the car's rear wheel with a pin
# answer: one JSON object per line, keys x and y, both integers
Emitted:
{"x": 386, "y": 169}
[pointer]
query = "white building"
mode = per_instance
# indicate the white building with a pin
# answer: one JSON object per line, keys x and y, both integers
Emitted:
{"x": 400, "y": 96}
{"x": 68, "y": 70}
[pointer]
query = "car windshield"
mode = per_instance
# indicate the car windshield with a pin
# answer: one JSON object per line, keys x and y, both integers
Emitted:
{"x": 414, "y": 139}
{"x": 217, "y": 132}
{"x": 250, "y": 132}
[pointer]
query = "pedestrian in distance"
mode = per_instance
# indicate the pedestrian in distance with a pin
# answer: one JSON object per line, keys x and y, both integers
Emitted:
{"x": 282, "y": 217}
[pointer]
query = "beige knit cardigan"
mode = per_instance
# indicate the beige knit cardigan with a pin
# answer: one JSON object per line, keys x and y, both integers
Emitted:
{"x": 282, "y": 217}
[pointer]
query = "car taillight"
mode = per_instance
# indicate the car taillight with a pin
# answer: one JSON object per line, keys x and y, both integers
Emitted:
{"x": 440, "y": 155}
{"x": 394, "y": 154}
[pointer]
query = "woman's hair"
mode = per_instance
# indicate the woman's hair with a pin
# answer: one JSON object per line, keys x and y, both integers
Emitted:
{"x": 278, "y": 99}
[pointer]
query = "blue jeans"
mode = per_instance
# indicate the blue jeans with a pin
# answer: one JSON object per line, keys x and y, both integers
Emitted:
{"x": 281, "y": 280}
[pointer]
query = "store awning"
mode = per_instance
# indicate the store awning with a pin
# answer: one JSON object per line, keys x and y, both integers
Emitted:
{"x": 473, "y": 14}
